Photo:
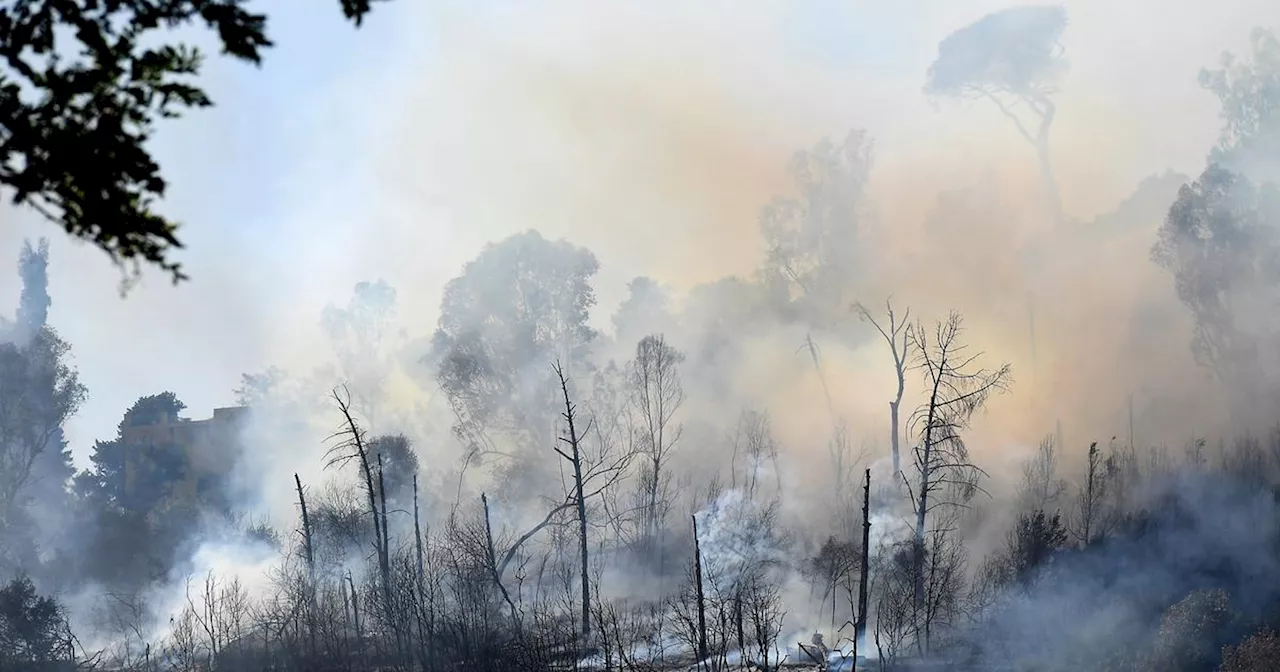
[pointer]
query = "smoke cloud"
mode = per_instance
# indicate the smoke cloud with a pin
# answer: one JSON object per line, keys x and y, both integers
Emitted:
{"x": 653, "y": 135}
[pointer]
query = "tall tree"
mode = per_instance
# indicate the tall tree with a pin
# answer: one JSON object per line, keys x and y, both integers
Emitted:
{"x": 956, "y": 388}
{"x": 811, "y": 239}
{"x": 657, "y": 395}
{"x": 895, "y": 333}
{"x": 137, "y": 478}
{"x": 53, "y": 469}
{"x": 30, "y": 422}
{"x": 596, "y": 467}
{"x": 1011, "y": 57}
{"x": 90, "y": 79}
{"x": 573, "y": 454}
{"x": 1219, "y": 239}
{"x": 1220, "y": 243}
{"x": 353, "y": 446}
{"x": 521, "y": 303}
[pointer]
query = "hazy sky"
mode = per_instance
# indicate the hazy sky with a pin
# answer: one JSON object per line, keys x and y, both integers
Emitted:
{"x": 649, "y": 132}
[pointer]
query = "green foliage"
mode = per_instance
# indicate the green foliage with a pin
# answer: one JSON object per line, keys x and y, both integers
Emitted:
{"x": 153, "y": 410}
{"x": 399, "y": 466}
{"x": 134, "y": 502}
{"x": 82, "y": 86}
{"x": 29, "y": 423}
{"x": 1032, "y": 543}
{"x": 137, "y": 478}
{"x": 32, "y": 627}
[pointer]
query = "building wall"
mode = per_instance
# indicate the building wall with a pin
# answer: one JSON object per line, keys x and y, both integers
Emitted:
{"x": 210, "y": 445}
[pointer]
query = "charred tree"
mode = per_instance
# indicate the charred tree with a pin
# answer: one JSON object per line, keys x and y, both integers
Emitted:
{"x": 957, "y": 388}
{"x": 494, "y": 568}
{"x": 308, "y": 550}
{"x": 860, "y": 625}
{"x": 353, "y": 447}
{"x": 384, "y": 563}
{"x": 574, "y": 457}
{"x": 417, "y": 532}
{"x": 657, "y": 396}
{"x": 701, "y": 596}
{"x": 897, "y": 336}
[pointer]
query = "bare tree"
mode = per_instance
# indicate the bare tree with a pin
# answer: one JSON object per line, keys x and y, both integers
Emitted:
{"x": 585, "y": 472}
{"x": 1040, "y": 488}
{"x": 353, "y": 446}
{"x": 594, "y": 471}
{"x": 864, "y": 573}
{"x": 700, "y": 594}
{"x": 896, "y": 624}
{"x": 957, "y": 389}
{"x": 308, "y": 550}
{"x": 763, "y": 601}
{"x": 755, "y": 445}
{"x": 575, "y": 458}
{"x": 657, "y": 395}
{"x": 896, "y": 333}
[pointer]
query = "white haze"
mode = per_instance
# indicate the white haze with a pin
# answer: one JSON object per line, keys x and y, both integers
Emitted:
{"x": 649, "y": 133}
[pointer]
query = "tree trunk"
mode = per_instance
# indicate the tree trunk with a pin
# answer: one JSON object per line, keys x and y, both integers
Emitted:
{"x": 575, "y": 458}
{"x": 737, "y": 621}
{"x": 922, "y": 507}
{"x": 893, "y": 434}
{"x": 860, "y": 626}
{"x": 1052, "y": 196}
{"x": 417, "y": 532}
{"x": 309, "y": 556}
{"x": 384, "y": 563}
{"x": 702, "y": 610}
{"x": 494, "y": 568}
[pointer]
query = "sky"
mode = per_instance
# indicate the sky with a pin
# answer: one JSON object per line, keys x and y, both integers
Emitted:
{"x": 648, "y": 132}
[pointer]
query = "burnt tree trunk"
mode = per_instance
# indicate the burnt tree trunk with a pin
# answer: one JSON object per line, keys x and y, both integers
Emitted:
{"x": 384, "y": 564}
{"x": 494, "y": 567}
{"x": 860, "y": 626}
{"x": 894, "y": 440}
{"x": 417, "y": 532}
{"x": 702, "y": 609}
{"x": 308, "y": 555}
{"x": 575, "y": 458}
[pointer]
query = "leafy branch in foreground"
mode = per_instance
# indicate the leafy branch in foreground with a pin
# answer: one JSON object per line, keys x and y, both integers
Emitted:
{"x": 82, "y": 84}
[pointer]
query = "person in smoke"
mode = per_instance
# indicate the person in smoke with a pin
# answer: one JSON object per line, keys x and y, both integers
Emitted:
{"x": 817, "y": 649}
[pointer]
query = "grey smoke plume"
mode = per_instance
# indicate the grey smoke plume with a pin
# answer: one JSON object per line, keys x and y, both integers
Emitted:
{"x": 717, "y": 187}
